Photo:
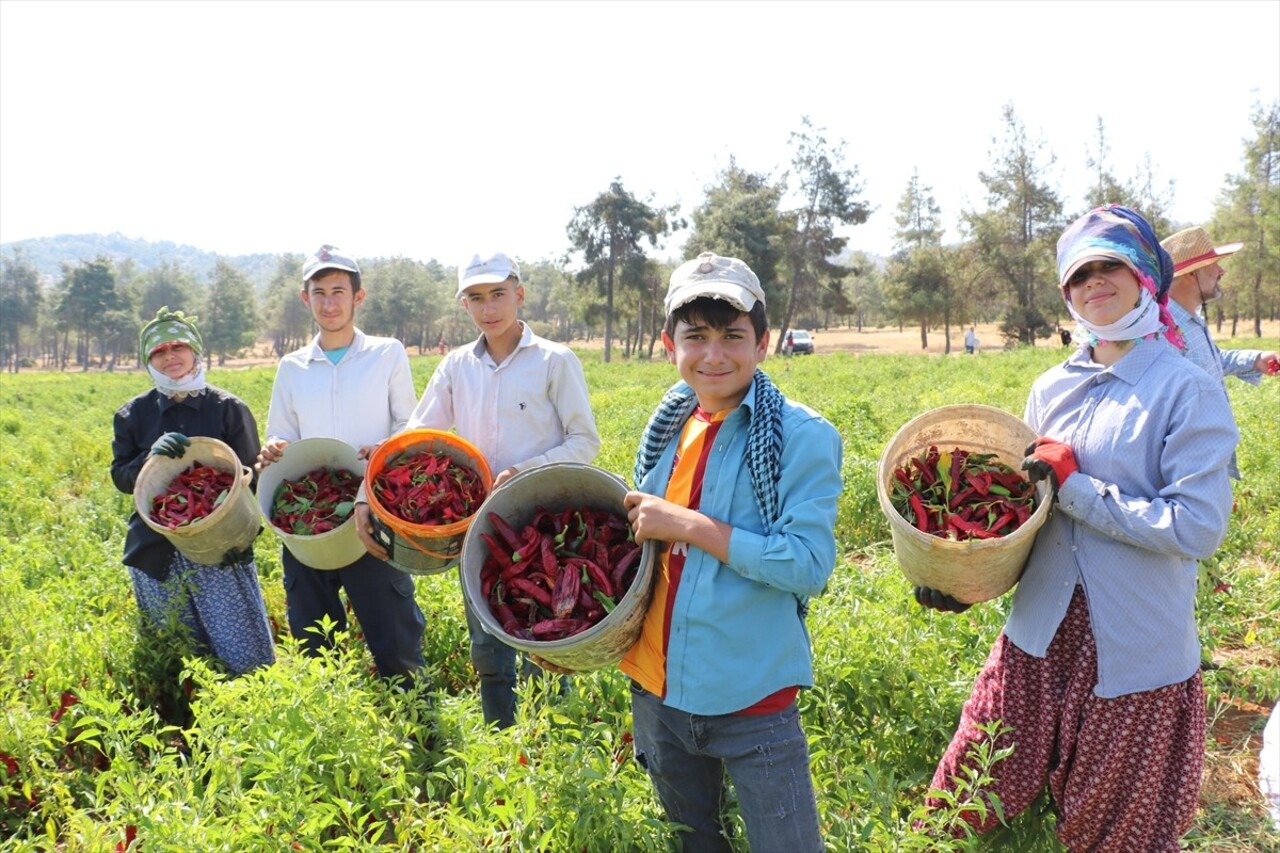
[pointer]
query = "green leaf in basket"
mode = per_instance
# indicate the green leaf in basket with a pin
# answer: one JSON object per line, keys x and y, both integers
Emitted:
{"x": 343, "y": 509}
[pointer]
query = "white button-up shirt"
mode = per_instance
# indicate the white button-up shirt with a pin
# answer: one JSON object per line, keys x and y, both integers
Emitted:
{"x": 363, "y": 399}
{"x": 530, "y": 410}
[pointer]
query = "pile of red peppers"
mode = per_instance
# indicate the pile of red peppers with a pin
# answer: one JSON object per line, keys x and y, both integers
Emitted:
{"x": 561, "y": 574}
{"x": 190, "y": 496}
{"x": 428, "y": 488}
{"x": 322, "y": 500}
{"x": 961, "y": 495}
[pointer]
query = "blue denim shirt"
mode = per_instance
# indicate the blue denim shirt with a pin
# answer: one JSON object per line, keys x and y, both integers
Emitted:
{"x": 1151, "y": 497}
{"x": 737, "y": 629}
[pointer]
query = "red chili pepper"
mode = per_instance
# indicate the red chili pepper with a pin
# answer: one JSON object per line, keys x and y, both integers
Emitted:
{"x": 575, "y": 564}
{"x": 973, "y": 488}
{"x": 505, "y": 531}
{"x": 922, "y": 518}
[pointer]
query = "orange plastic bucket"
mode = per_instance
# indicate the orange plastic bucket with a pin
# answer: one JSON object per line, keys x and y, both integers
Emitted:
{"x": 422, "y": 549}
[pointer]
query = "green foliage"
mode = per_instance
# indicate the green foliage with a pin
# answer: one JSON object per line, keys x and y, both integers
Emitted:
{"x": 320, "y": 753}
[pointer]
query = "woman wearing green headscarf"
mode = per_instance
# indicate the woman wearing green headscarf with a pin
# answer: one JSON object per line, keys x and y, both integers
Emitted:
{"x": 221, "y": 605}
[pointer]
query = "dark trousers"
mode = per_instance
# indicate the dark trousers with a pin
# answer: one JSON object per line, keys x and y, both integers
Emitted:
{"x": 381, "y": 597}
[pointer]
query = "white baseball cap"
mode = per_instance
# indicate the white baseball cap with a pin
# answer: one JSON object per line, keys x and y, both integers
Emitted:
{"x": 486, "y": 269}
{"x": 717, "y": 277}
{"x": 328, "y": 258}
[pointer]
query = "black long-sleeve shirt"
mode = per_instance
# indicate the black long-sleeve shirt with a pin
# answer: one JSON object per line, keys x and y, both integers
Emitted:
{"x": 138, "y": 423}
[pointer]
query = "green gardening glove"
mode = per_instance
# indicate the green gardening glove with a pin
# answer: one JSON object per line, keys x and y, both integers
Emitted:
{"x": 171, "y": 444}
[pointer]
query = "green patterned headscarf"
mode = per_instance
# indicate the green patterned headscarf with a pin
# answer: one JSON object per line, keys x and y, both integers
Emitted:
{"x": 169, "y": 327}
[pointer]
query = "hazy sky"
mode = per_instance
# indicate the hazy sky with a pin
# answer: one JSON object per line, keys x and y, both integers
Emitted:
{"x": 430, "y": 130}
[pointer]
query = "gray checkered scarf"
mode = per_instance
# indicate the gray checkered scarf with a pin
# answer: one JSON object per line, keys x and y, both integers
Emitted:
{"x": 764, "y": 439}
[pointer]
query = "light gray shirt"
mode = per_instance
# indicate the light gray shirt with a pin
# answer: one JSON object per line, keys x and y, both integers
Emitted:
{"x": 1151, "y": 497}
{"x": 531, "y": 409}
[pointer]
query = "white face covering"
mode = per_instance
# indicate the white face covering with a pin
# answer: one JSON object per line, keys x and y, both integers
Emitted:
{"x": 192, "y": 383}
{"x": 1142, "y": 321}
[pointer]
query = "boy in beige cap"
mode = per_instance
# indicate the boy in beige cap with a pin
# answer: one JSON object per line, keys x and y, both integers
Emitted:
{"x": 739, "y": 485}
{"x": 1197, "y": 280}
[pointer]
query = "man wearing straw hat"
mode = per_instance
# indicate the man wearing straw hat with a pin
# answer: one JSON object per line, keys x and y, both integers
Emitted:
{"x": 1197, "y": 281}
{"x": 221, "y": 605}
{"x": 356, "y": 388}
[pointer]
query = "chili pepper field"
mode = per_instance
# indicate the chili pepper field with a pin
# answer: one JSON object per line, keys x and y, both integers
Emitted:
{"x": 112, "y": 741}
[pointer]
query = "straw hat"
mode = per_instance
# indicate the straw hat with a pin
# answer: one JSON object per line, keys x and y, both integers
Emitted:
{"x": 1192, "y": 249}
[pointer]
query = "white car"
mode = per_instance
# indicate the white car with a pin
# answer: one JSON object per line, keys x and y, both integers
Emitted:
{"x": 801, "y": 342}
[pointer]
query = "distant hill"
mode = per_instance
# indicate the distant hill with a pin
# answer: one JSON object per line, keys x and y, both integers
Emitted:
{"x": 48, "y": 254}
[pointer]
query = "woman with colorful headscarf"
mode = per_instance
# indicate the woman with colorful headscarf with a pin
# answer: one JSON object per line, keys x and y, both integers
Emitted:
{"x": 1097, "y": 673}
{"x": 220, "y": 605}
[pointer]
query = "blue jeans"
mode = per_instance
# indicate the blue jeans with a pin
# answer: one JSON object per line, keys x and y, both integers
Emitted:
{"x": 766, "y": 757}
{"x": 382, "y": 598}
{"x": 495, "y": 664}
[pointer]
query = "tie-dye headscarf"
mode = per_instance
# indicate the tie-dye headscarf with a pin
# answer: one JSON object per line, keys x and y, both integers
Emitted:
{"x": 1117, "y": 233}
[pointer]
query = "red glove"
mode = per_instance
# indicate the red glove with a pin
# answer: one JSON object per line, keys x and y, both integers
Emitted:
{"x": 1048, "y": 457}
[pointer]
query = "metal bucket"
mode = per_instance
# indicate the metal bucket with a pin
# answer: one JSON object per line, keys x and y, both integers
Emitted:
{"x": 976, "y": 569}
{"x": 558, "y": 486}
{"x": 332, "y": 549}
{"x": 234, "y": 524}
{"x": 421, "y": 549}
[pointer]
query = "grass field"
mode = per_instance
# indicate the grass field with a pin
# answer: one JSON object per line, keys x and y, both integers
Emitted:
{"x": 105, "y": 736}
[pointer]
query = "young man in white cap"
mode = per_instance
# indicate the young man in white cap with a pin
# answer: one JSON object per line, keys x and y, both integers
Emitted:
{"x": 356, "y": 388}
{"x": 522, "y": 401}
{"x": 1197, "y": 281}
{"x": 740, "y": 486}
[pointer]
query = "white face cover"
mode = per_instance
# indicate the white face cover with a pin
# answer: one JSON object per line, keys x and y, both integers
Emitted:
{"x": 1141, "y": 321}
{"x": 192, "y": 383}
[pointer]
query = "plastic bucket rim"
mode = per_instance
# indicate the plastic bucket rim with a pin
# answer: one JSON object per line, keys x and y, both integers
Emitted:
{"x": 374, "y": 466}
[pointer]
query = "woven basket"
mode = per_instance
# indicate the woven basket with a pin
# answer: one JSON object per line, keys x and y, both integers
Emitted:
{"x": 976, "y": 569}
{"x": 558, "y": 486}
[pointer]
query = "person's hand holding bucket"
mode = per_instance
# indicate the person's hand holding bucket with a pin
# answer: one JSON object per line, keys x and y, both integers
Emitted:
{"x": 366, "y": 523}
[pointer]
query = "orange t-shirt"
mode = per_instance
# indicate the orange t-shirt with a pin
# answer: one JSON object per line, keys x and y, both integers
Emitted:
{"x": 646, "y": 661}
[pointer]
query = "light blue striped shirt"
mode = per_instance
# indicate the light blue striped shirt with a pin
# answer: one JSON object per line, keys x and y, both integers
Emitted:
{"x": 1151, "y": 497}
{"x": 1204, "y": 353}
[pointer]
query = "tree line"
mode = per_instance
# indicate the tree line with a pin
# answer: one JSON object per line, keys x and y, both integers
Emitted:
{"x": 788, "y": 227}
